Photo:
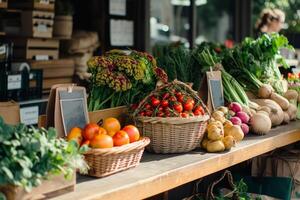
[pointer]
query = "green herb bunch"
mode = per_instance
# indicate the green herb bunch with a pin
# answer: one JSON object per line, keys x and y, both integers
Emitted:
{"x": 29, "y": 155}
{"x": 121, "y": 79}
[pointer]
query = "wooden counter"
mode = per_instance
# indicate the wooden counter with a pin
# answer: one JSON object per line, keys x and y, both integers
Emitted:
{"x": 159, "y": 173}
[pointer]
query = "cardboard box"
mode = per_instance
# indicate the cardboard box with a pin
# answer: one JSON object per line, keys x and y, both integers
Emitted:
{"x": 32, "y": 4}
{"x": 10, "y": 112}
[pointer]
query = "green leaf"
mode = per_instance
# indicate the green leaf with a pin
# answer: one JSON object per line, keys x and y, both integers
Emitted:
{"x": 52, "y": 133}
{"x": 2, "y": 196}
{"x": 7, "y": 172}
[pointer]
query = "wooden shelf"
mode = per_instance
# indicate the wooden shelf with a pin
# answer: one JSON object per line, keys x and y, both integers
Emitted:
{"x": 3, "y": 4}
{"x": 159, "y": 173}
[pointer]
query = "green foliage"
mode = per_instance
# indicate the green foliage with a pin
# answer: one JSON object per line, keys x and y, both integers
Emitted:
{"x": 29, "y": 155}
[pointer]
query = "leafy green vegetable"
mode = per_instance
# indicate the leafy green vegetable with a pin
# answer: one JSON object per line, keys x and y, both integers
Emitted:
{"x": 29, "y": 155}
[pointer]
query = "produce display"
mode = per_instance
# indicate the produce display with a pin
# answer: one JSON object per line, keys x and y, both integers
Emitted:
{"x": 108, "y": 135}
{"x": 119, "y": 79}
{"x": 173, "y": 101}
{"x": 30, "y": 155}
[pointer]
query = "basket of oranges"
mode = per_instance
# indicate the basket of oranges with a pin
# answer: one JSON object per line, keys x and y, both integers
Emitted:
{"x": 112, "y": 149}
{"x": 173, "y": 117}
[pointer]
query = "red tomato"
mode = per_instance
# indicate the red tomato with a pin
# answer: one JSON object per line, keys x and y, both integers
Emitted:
{"x": 177, "y": 94}
{"x": 147, "y": 106}
{"x": 184, "y": 115}
{"x": 200, "y": 109}
{"x": 121, "y": 138}
{"x": 142, "y": 113}
{"x": 165, "y": 103}
{"x": 188, "y": 106}
{"x": 155, "y": 102}
{"x": 132, "y": 132}
{"x": 101, "y": 141}
{"x": 160, "y": 108}
{"x": 148, "y": 113}
{"x": 197, "y": 112}
{"x": 160, "y": 114}
{"x": 190, "y": 101}
{"x": 173, "y": 98}
{"x": 180, "y": 98}
{"x": 90, "y": 130}
{"x": 178, "y": 107}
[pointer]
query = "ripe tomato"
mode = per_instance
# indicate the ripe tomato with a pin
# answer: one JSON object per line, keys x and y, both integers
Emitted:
{"x": 160, "y": 114}
{"x": 75, "y": 134}
{"x": 134, "y": 106}
{"x": 111, "y": 125}
{"x": 102, "y": 131}
{"x": 165, "y": 95}
{"x": 184, "y": 115}
{"x": 177, "y": 94}
{"x": 132, "y": 132}
{"x": 121, "y": 138}
{"x": 86, "y": 142}
{"x": 200, "y": 109}
{"x": 148, "y": 113}
{"x": 164, "y": 103}
{"x": 102, "y": 141}
{"x": 180, "y": 98}
{"x": 160, "y": 108}
{"x": 147, "y": 106}
{"x": 142, "y": 113}
{"x": 90, "y": 130}
{"x": 178, "y": 107}
{"x": 188, "y": 106}
{"x": 189, "y": 100}
{"x": 197, "y": 112}
{"x": 155, "y": 102}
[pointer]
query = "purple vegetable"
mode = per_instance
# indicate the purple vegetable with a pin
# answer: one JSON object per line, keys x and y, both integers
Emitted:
{"x": 235, "y": 107}
{"x": 236, "y": 121}
{"x": 243, "y": 116}
{"x": 245, "y": 129}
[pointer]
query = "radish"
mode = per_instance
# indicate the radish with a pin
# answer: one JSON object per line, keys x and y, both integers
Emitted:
{"x": 245, "y": 128}
{"x": 243, "y": 116}
{"x": 235, "y": 107}
{"x": 236, "y": 121}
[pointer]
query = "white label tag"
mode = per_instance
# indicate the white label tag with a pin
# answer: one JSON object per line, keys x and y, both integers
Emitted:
{"x": 44, "y": 1}
{"x": 14, "y": 82}
{"x": 41, "y": 57}
{"x": 42, "y": 28}
{"x": 2, "y": 48}
{"x": 29, "y": 115}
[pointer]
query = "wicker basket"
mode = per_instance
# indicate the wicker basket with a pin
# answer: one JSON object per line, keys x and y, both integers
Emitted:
{"x": 104, "y": 162}
{"x": 172, "y": 134}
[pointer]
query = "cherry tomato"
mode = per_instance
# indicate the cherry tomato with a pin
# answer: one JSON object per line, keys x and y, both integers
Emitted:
{"x": 165, "y": 95}
{"x": 142, "y": 113}
{"x": 184, "y": 115}
{"x": 178, "y": 107}
{"x": 134, "y": 106}
{"x": 155, "y": 102}
{"x": 160, "y": 108}
{"x": 177, "y": 94}
{"x": 190, "y": 101}
{"x": 173, "y": 98}
{"x": 160, "y": 114}
{"x": 180, "y": 98}
{"x": 200, "y": 109}
{"x": 147, "y": 106}
{"x": 164, "y": 103}
{"x": 188, "y": 106}
{"x": 148, "y": 113}
{"x": 197, "y": 112}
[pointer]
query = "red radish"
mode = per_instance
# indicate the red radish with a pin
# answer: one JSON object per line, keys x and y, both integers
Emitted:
{"x": 235, "y": 107}
{"x": 243, "y": 116}
{"x": 236, "y": 121}
{"x": 245, "y": 129}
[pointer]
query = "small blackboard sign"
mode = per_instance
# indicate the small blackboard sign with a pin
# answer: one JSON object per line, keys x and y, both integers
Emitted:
{"x": 73, "y": 109}
{"x": 216, "y": 93}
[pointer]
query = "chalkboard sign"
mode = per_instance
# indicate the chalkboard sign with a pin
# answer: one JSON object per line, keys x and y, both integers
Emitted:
{"x": 73, "y": 109}
{"x": 217, "y": 97}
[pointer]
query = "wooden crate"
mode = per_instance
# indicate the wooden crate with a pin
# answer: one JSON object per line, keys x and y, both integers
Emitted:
{"x": 32, "y": 48}
{"x": 55, "y": 68}
{"x": 32, "y": 4}
{"x": 37, "y": 24}
{"x": 54, "y": 186}
{"x": 3, "y": 4}
{"x": 48, "y": 82}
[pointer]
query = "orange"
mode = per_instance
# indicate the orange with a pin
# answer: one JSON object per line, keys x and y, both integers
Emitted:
{"x": 111, "y": 133}
{"x": 133, "y": 133}
{"x": 111, "y": 125}
{"x": 121, "y": 138}
{"x": 90, "y": 130}
{"x": 75, "y": 134}
{"x": 102, "y": 131}
{"x": 102, "y": 141}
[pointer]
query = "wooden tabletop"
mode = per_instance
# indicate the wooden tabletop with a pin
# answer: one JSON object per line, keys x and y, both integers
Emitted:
{"x": 159, "y": 173}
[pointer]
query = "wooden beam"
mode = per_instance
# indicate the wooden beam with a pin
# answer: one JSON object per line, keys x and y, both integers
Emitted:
{"x": 158, "y": 173}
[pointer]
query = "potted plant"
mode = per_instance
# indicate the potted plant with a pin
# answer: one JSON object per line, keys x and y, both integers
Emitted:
{"x": 63, "y": 21}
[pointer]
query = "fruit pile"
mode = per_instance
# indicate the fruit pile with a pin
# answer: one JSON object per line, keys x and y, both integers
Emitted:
{"x": 108, "y": 135}
{"x": 226, "y": 127}
{"x": 173, "y": 101}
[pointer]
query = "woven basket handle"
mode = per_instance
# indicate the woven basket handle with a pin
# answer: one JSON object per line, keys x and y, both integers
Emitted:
{"x": 210, "y": 192}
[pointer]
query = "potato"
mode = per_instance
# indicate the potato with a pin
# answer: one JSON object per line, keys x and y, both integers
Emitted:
{"x": 228, "y": 142}
{"x": 215, "y": 146}
{"x": 215, "y": 134}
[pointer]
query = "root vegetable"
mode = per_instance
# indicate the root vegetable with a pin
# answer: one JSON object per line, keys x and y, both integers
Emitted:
{"x": 215, "y": 146}
{"x": 291, "y": 95}
{"x": 204, "y": 143}
{"x": 265, "y": 91}
{"x": 276, "y": 114}
{"x": 253, "y": 105}
{"x": 260, "y": 124}
{"x": 292, "y": 111}
{"x": 223, "y": 109}
{"x": 265, "y": 108}
{"x": 227, "y": 123}
{"x": 236, "y": 121}
{"x": 235, "y": 107}
{"x": 250, "y": 95}
{"x": 228, "y": 142}
{"x": 282, "y": 102}
{"x": 264, "y": 113}
{"x": 236, "y": 132}
{"x": 252, "y": 111}
{"x": 219, "y": 116}
{"x": 286, "y": 118}
{"x": 215, "y": 123}
{"x": 245, "y": 128}
{"x": 243, "y": 116}
{"x": 215, "y": 134}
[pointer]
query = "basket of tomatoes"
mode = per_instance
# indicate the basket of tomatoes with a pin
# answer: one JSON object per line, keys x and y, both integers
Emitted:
{"x": 112, "y": 149}
{"x": 174, "y": 118}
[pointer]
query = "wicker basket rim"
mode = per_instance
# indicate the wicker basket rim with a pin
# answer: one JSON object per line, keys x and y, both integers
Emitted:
{"x": 173, "y": 120}
{"x": 121, "y": 149}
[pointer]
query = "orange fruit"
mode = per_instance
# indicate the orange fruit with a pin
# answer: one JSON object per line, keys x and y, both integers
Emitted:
{"x": 102, "y": 141}
{"x": 102, "y": 131}
{"x": 111, "y": 125}
{"x": 75, "y": 134}
{"x": 111, "y": 133}
{"x": 121, "y": 138}
{"x": 133, "y": 133}
{"x": 90, "y": 130}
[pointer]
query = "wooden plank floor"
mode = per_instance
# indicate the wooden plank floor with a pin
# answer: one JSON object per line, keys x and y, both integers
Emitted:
{"x": 159, "y": 173}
